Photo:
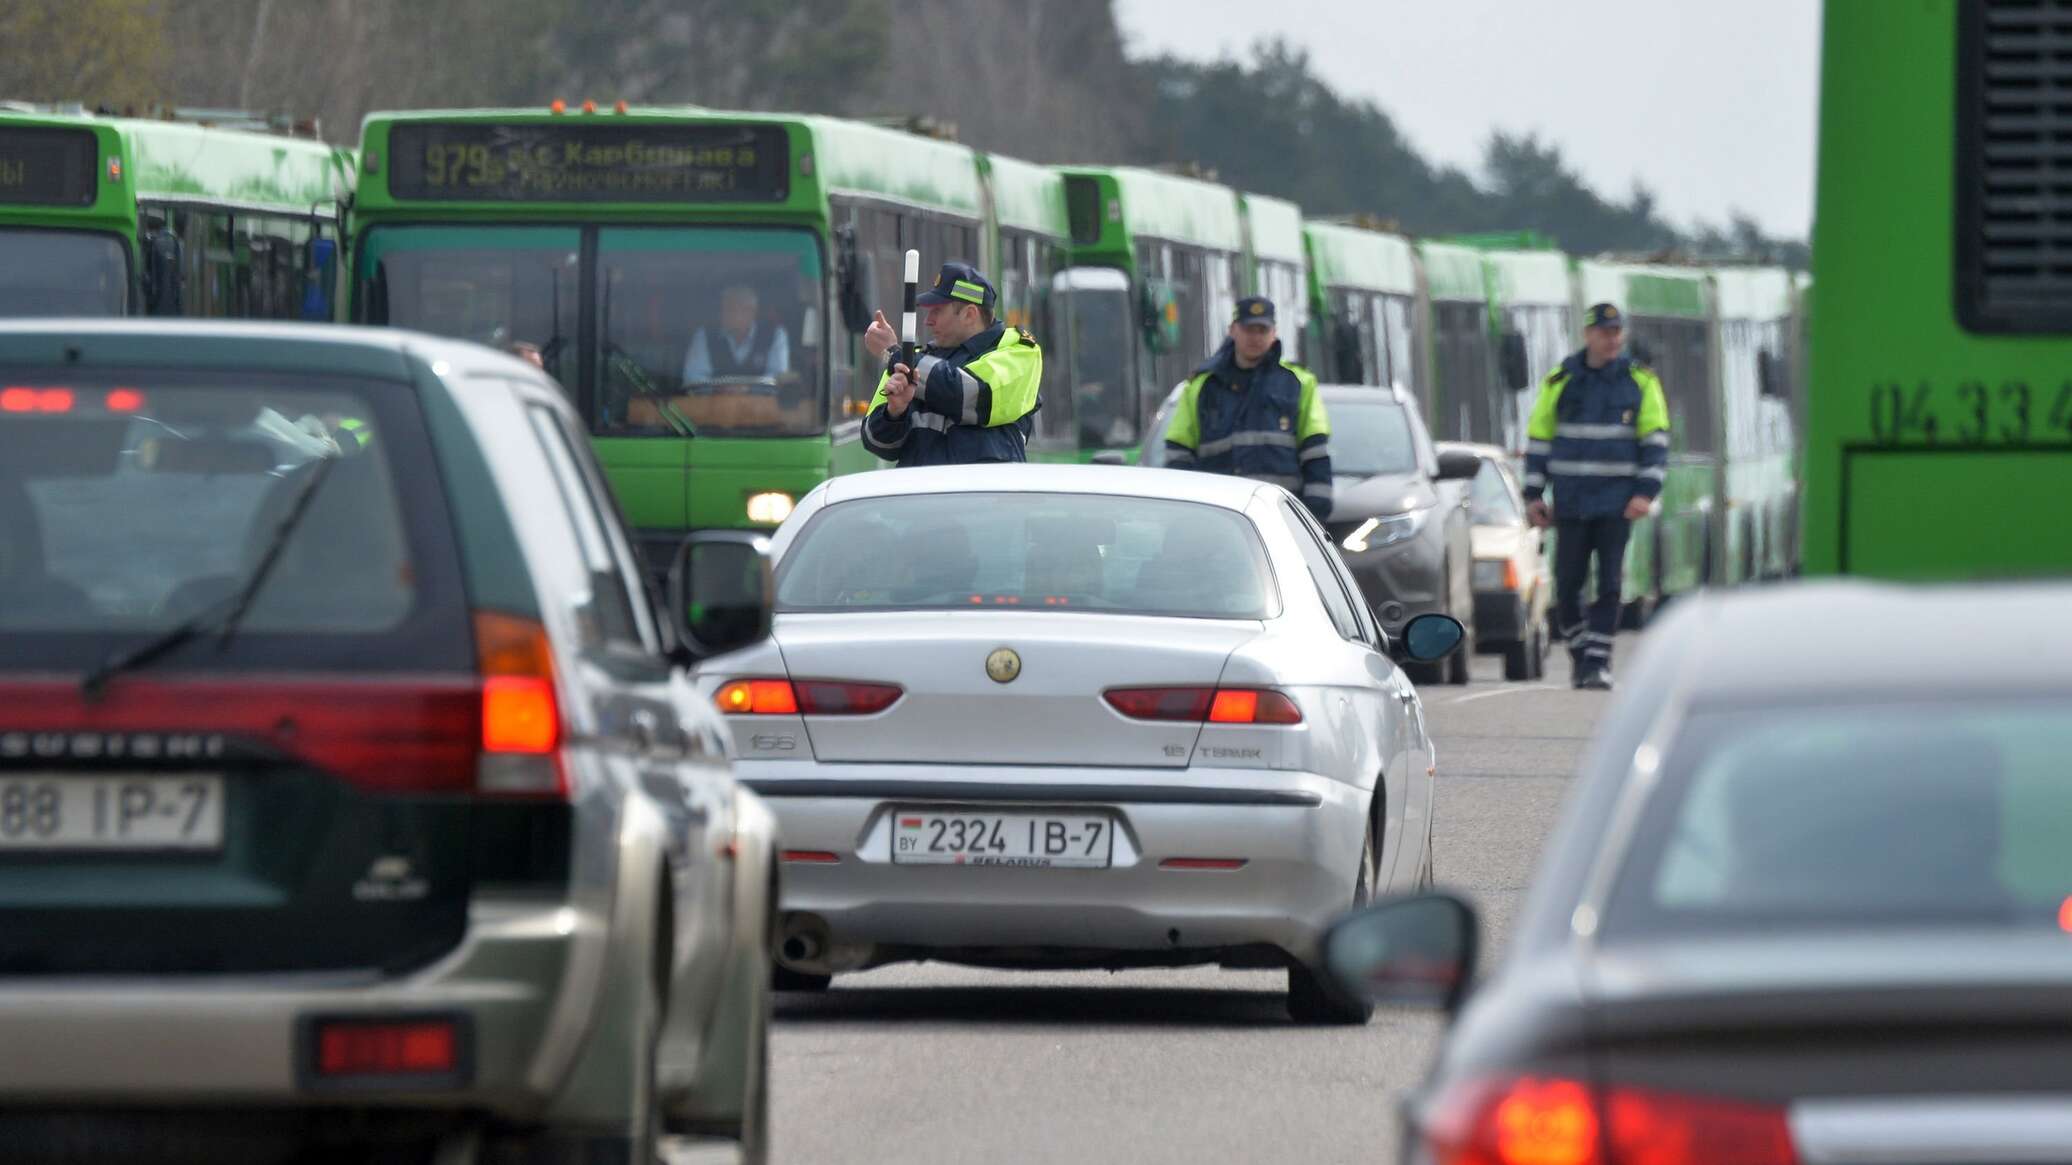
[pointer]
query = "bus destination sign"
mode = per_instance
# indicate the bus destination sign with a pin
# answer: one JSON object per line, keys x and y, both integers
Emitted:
{"x": 48, "y": 166}
{"x": 593, "y": 162}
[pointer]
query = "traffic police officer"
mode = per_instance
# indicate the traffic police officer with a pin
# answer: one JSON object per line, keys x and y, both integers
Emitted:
{"x": 1599, "y": 437}
{"x": 967, "y": 397}
{"x": 1248, "y": 413}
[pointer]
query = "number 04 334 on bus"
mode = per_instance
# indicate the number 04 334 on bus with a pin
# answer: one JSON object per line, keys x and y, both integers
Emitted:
{"x": 1054, "y": 840}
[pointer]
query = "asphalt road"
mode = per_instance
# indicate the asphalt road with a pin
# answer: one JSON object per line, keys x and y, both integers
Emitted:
{"x": 930, "y": 1063}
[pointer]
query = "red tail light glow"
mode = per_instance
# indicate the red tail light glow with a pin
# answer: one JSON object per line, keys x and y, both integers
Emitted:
{"x": 811, "y": 857}
{"x": 521, "y": 715}
{"x": 765, "y": 697}
{"x": 1215, "y": 705}
{"x": 1553, "y": 1121}
{"x": 387, "y": 1048}
{"x": 17, "y": 398}
{"x": 124, "y": 400}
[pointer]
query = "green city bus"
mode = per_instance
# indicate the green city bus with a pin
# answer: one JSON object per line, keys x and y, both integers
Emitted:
{"x": 108, "y": 216}
{"x": 1279, "y": 267}
{"x": 697, "y": 280}
{"x": 1364, "y": 322}
{"x": 1758, "y": 308}
{"x": 1465, "y": 402}
{"x": 1939, "y": 413}
{"x": 1670, "y": 326}
{"x": 1532, "y": 318}
{"x": 1170, "y": 252}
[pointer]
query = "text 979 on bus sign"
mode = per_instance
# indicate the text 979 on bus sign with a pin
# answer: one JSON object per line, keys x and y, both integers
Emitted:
{"x": 559, "y": 162}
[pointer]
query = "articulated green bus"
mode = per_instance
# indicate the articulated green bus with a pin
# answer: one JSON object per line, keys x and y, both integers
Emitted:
{"x": 697, "y": 280}
{"x": 1279, "y": 267}
{"x": 1532, "y": 321}
{"x": 1170, "y": 252}
{"x": 1465, "y": 402}
{"x": 1939, "y": 417}
{"x": 1758, "y": 309}
{"x": 105, "y": 216}
{"x": 1364, "y": 326}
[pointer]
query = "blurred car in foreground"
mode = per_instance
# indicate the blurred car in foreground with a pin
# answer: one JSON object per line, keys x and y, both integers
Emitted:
{"x": 1809, "y": 902}
{"x": 349, "y": 786}
{"x": 1071, "y": 716}
{"x": 1513, "y": 586}
{"x": 1399, "y": 514}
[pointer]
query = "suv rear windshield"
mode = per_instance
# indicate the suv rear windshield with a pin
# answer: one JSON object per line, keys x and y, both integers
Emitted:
{"x": 1028, "y": 552}
{"x": 1856, "y": 816}
{"x": 127, "y": 506}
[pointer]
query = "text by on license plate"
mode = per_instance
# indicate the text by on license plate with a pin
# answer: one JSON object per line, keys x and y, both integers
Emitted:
{"x": 1048, "y": 840}
{"x": 48, "y": 811}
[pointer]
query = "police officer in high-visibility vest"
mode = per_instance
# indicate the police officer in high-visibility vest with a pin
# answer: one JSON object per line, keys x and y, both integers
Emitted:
{"x": 966, "y": 398}
{"x": 1599, "y": 438}
{"x": 1249, "y": 413}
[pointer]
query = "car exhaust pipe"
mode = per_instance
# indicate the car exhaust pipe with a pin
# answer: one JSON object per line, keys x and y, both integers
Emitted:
{"x": 804, "y": 942}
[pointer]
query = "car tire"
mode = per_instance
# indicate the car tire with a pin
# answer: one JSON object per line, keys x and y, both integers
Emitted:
{"x": 1518, "y": 659}
{"x": 783, "y": 978}
{"x": 1457, "y": 666}
{"x": 1311, "y": 998}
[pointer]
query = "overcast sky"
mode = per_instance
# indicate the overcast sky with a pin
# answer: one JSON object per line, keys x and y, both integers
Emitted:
{"x": 1713, "y": 105}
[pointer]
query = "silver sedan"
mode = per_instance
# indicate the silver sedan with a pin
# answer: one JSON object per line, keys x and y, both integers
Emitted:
{"x": 1077, "y": 716}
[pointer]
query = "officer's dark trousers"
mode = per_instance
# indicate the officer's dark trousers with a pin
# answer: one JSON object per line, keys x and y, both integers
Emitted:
{"x": 1575, "y": 540}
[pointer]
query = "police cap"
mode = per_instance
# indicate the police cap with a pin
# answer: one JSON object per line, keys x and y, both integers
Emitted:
{"x": 959, "y": 283}
{"x": 1254, "y": 309}
{"x": 1603, "y": 315}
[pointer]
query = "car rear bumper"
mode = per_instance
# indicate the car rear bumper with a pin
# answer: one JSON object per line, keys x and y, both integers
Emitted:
{"x": 248, "y": 1041}
{"x": 1298, "y": 834}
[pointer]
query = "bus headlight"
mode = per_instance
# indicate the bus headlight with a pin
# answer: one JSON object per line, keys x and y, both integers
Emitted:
{"x": 770, "y": 507}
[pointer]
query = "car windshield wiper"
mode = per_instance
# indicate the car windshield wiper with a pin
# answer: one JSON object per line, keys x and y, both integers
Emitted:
{"x": 221, "y": 617}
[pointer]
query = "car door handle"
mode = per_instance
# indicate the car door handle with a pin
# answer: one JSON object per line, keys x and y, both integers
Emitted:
{"x": 1408, "y": 698}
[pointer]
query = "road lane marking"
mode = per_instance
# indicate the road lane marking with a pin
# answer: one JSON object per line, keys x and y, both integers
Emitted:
{"x": 1504, "y": 691}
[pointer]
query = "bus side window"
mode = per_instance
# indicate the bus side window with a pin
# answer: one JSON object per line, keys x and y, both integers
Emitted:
{"x": 165, "y": 276}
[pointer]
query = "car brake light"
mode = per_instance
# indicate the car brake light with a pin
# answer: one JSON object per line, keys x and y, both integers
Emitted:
{"x": 124, "y": 400}
{"x": 1215, "y": 705}
{"x": 1553, "y": 1121}
{"x": 425, "y": 1047}
{"x": 521, "y": 715}
{"x": 766, "y": 697}
{"x": 22, "y": 399}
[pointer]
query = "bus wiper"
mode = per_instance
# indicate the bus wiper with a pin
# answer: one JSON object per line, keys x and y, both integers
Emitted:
{"x": 221, "y": 617}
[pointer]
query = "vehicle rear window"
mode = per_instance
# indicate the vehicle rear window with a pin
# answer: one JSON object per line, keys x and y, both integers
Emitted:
{"x": 1368, "y": 440}
{"x": 1031, "y": 552}
{"x": 127, "y": 506}
{"x": 1857, "y": 816}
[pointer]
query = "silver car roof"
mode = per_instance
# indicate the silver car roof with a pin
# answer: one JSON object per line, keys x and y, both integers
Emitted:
{"x": 1033, "y": 477}
{"x": 1829, "y": 639}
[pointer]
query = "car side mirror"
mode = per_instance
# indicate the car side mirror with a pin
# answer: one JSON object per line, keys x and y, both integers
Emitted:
{"x": 1517, "y": 367}
{"x": 1428, "y": 638}
{"x": 1409, "y": 951}
{"x": 720, "y": 592}
{"x": 1458, "y": 465}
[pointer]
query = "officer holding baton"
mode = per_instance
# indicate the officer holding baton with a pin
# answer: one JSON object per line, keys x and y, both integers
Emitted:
{"x": 962, "y": 399}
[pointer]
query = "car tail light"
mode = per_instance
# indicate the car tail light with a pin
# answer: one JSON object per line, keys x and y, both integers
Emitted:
{"x": 1215, "y": 705}
{"x": 1553, "y": 1121}
{"x": 521, "y": 714}
{"x": 763, "y": 697}
{"x": 420, "y": 1047}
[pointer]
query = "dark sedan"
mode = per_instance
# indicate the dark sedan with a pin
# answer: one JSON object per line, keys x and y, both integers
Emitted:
{"x": 1810, "y": 902}
{"x": 1399, "y": 511}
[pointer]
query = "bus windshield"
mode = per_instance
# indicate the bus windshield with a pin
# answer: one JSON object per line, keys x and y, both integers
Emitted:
{"x": 720, "y": 326}
{"x": 714, "y": 331}
{"x": 62, "y": 273}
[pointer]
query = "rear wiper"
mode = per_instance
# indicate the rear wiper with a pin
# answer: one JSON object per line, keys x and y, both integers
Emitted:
{"x": 221, "y": 617}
